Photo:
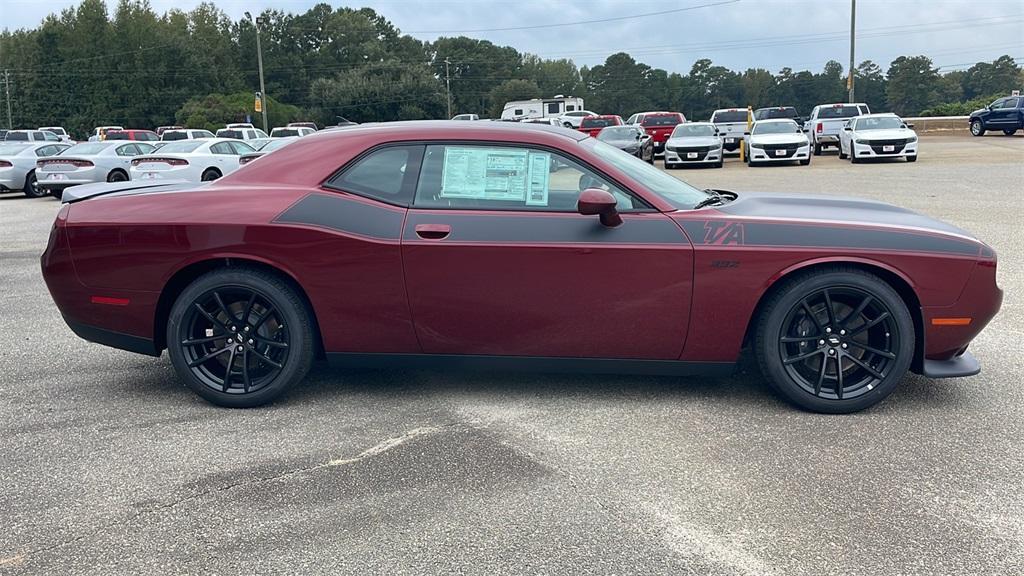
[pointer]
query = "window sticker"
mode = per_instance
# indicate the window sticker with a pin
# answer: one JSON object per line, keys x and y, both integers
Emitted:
{"x": 485, "y": 173}
{"x": 540, "y": 163}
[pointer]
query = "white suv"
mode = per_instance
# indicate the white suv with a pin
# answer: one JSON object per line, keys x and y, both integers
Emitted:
{"x": 573, "y": 119}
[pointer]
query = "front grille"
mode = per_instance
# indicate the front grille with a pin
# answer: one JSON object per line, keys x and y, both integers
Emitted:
{"x": 878, "y": 146}
{"x": 701, "y": 151}
{"x": 788, "y": 149}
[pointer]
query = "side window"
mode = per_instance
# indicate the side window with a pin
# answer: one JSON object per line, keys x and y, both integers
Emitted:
{"x": 221, "y": 148}
{"x": 632, "y": 119}
{"x": 553, "y": 108}
{"x": 144, "y": 148}
{"x": 506, "y": 178}
{"x": 517, "y": 112}
{"x": 240, "y": 148}
{"x": 126, "y": 150}
{"x": 1009, "y": 103}
{"x": 999, "y": 103}
{"x": 45, "y": 151}
{"x": 386, "y": 174}
{"x": 570, "y": 107}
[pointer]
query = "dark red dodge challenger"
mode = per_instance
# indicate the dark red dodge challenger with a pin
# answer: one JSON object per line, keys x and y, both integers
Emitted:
{"x": 495, "y": 245}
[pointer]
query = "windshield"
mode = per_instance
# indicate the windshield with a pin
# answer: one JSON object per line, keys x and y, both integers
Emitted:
{"x": 838, "y": 112}
{"x": 693, "y": 130}
{"x": 236, "y": 134}
{"x": 181, "y": 146}
{"x": 88, "y": 149}
{"x": 619, "y": 133}
{"x": 883, "y": 123}
{"x": 57, "y": 131}
{"x": 729, "y": 116}
{"x": 674, "y": 191}
{"x": 775, "y": 128}
{"x": 275, "y": 144}
{"x": 598, "y": 122}
{"x": 661, "y": 120}
{"x": 772, "y": 113}
{"x": 8, "y": 149}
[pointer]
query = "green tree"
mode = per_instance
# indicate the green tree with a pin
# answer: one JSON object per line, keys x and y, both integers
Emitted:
{"x": 510, "y": 90}
{"x": 912, "y": 85}
{"x": 999, "y": 77}
{"x": 869, "y": 85}
{"x": 379, "y": 92}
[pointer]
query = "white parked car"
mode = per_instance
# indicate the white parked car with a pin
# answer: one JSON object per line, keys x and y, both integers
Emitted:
{"x": 242, "y": 133}
{"x": 878, "y": 136}
{"x": 185, "y": 134}
{"x": 573, "y": 119}
{"x": 288, "y": 131}
{"x": 87, "y": 163}
{"x": 466, "y": 117}
{"x": 542, "y": 121}
{"x": 191, "y": 160}
{"x": 18, "y": 165}
{"x": 694, "y": 143}
{"x": 781, "y": 140}
{"x": 826, "y": 123}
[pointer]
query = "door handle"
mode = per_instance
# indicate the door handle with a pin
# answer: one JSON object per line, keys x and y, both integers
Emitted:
{"x": 433, "y": 231}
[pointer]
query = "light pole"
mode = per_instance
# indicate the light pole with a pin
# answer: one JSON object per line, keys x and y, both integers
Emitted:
{"x": 448, "y": 86}
{"x": 853, "y": 28}
{"x": 259, "y": 58}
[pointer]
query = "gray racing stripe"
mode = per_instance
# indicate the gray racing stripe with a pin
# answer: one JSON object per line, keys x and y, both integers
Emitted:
{"x": 491, "y": 227}
{"x": 712, "y": 233}
{"x": 345, "y": 215}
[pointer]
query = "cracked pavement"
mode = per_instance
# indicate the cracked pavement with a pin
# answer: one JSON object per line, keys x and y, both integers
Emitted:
{"x": 110, "y": 466}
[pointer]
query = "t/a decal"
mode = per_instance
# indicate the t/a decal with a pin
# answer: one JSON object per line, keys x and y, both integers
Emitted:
{"x": 718, "y": 233}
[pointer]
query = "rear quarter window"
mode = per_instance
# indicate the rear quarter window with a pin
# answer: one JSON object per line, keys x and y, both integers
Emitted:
{"x": 387, "y": 174}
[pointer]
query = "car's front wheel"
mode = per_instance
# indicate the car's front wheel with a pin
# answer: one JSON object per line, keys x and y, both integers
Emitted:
{"x": 834, "y": 340}
{"x": 240, "y": 337}
{"x": 977, "y": 128}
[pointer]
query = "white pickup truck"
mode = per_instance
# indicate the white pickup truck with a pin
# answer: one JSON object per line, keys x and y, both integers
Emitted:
{"x": 732, "y": 123}
{"x": 826, "y": 123}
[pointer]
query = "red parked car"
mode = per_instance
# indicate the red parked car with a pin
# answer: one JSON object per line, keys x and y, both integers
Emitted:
{"x": 659, "y": 125}
{"x": 132, "y": 134}
{"x": 592, "y": 125}
{"x": 494, "y": 245}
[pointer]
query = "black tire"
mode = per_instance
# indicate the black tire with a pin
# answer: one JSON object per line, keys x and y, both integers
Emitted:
{"x": 805, "y": 162}
{"x": 117, "y": 176}
{"x": 977, "y": 128}
{"x": 32, "y": 189}
{"x": 881, "y": 339}
{"x": 1010, "y": 132}
{"x": 854, "y": 159}
{"x": 209, "y": 175}
{"x": 842, "y": 155}
{"x": 669, "y": 166}
{"x": 817, "y": 149}
{"x": 912, "y": 158}
{"x": 569, "y": 125}
{"x": 240, "y": 301}
{"x": 719, "y": 164}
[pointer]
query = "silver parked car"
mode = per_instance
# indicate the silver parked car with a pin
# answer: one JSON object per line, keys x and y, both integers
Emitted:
{"x": 698, "y": 143}
{"x": 18, "y": 165}
{"x": 89, "y": 162}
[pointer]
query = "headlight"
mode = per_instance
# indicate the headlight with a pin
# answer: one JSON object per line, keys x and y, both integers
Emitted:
{"x": 912, "y": 139}
{"x": 862, "y": 141}
{"x": 758, "y": 146}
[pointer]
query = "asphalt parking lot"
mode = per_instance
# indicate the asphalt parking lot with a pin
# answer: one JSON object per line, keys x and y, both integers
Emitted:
{"x": 111, "y": 466}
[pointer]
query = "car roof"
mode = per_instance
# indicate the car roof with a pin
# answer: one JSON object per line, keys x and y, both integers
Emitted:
{"x": 445, "y": 129}
{"x": 878, "y": 115}
{"x": 701, "y": 123}
{"x": 775, "y": 121}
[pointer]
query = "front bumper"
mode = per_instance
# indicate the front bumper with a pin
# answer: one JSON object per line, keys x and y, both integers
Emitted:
{"x": 761, "y": 155}
{"x": 881, "y": 151}
{"x": 683, "y": 157}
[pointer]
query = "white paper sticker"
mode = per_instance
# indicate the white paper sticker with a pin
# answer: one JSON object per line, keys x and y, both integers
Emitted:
{"x": 485, "y": 173}
{"x": 540, "y": 166}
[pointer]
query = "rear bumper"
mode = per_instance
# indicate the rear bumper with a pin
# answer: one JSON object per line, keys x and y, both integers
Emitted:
{"x": 957, "y": 367}
{"x": 113, "y": 339}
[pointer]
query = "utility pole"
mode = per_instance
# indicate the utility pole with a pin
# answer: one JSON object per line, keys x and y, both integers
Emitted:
{"x": 259, "y": 58}
{"x": 7, "y": 88}
{"x": 853, "y": 36}
{"x": 448, "y": 85}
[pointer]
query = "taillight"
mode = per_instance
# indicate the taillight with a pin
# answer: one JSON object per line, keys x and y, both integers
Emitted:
{"x": 171, "y": 161}
{"x": 73, "y": 162}
{"x": 5, "y": 164}
{"x": 820, "y": 127}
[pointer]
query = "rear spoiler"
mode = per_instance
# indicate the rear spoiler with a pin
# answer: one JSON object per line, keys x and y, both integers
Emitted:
{"x": 85, "y": 191}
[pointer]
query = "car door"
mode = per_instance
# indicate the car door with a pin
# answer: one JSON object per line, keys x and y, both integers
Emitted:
{"x": 499, "y": 262}
{"x": 1004, "y": 113}
{"x": 223, "y": 155}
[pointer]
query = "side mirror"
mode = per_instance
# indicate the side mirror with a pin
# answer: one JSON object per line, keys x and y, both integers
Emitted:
{"x": 594, "y": 201}
{"x": 848, "y": 128}
{"x": 804, "y": 130}
{"x": 746, "y": 133}
{"x": 908, "y": 125}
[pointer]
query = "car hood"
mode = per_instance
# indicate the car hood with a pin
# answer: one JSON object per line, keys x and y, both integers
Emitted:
{"x": 841, "y": 222}
{"x": 793, "y": 138}
{"x": 630, "y": 143}
{"x": 979, "y": 111}
{"x": 694, "y": 141}
{"x": 889, "y": 134}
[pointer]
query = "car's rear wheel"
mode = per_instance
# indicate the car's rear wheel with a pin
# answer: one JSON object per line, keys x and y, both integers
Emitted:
{"x": 117, "y": 176}
{"x": 240, "y": 337}
{"x": 32, "y": 188}
{"x": 210, "y": 175}
{"x": 817, "y": 149}
{"x": 835, "y": 341}
{"x": 977, "y": 129}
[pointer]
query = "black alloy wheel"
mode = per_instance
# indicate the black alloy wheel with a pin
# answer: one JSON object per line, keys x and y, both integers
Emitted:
{"x": 117, "y": 176}
{"x": 836, "y": 341}
{"x": 240, "y": 338}
{"x": 210, "y": 175}
{"x": 32, "y": 188}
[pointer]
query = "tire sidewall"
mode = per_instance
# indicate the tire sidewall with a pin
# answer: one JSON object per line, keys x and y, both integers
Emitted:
{"x": 209, "y": 171}
{"x": 767, "y": 339}
{"x": 286, "y": 302}
{"x": 977, "y": 128}
{"x": 30, "y": 179}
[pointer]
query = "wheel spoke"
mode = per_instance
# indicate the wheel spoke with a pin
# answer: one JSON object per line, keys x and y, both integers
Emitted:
{"x": 830, "y": 311}
{"x": 209, "y": 316}
{"x": 248, "y": 308}
{"x": 873, "y": 350}
{"x": 271, "y": 343}
{"x": 246, "y": 382}
{"x": 821, "y": 376}
{"x": 870, "y": 324}
{"x": 813, "y": 316}
{"x": 267, "y": 359}
{"x": 206, "y": 340}
{"x": 227, "y": 371}
{"x": 865, "y": 366}
{"x": 839, "y": 376}
{"x": 804, "y": 356}
{"x": 266, "y": 315}
{"x": 856, "y": 311}
{"x": 223, "y": 308}
{"x": 209, "y": 356}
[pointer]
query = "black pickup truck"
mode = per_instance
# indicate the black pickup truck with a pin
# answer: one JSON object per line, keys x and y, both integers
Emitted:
{"x": 1006, "y": 114}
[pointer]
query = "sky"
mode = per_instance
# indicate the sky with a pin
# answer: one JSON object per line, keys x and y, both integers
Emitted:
{"x": 672, "y": 34}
